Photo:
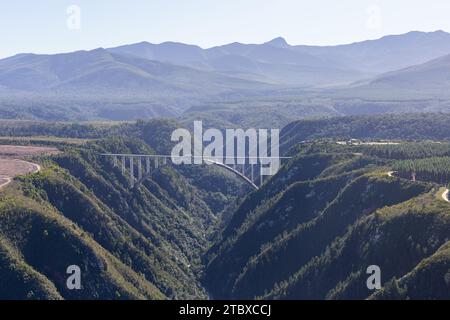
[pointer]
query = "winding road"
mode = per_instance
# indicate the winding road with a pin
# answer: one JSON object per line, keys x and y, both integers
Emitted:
{"x": 13, "y": 163}
{"x": 7, "y": 179}
{"x": 444, "y": 195}
{"x": 10, "y": 168}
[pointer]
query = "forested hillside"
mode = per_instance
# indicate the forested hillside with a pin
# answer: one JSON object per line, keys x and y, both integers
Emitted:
{"x": 309, "y": 232}
{"x": 419, "y": 127}
{"x": 131, "y": 242}
{"x": 312, "y": 235}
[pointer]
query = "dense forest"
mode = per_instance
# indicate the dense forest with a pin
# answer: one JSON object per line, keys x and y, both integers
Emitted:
{"x": 411, "y": 127}
{"x": 309, "y": 232}
{"x": 407, "y": 150}
{"x": 132, "y": 243}
{"x": 429, "y": 169}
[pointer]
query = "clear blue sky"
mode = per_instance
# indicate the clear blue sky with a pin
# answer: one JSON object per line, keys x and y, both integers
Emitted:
{"x": 40, "y": 26}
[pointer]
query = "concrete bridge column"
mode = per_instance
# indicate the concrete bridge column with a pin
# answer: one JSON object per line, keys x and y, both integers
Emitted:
{"x": 132, "y": 171}
{"x": 140, "y": 168}
{"x": 261, "y": 178}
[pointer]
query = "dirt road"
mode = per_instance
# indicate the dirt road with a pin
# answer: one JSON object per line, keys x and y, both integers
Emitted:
{"x": 10, "y": 168}
{"x": 4, "y": 181}
{"x": 445, "y": 195}
{"x": 390, "y": 173}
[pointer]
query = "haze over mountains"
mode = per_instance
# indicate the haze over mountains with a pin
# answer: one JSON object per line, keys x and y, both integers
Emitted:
{"x": 99, "y": 71}
{"x": 147, "y": 80}
{"x": 432, "y": 75}
{"x": 294, "y": 65}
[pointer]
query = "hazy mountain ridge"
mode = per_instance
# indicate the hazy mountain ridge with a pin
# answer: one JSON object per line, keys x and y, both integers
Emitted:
{"x": 147, "y": 80}
{"x": 388, "y": 53}
{"x": 85, "y": 71}
{"x": 433, "y": 75}
{"x": 354, "y": 60}
{"x": 270, "y": 60}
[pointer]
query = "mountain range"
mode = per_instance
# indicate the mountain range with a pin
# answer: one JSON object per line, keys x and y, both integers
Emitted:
{"x": 432, "y": 75}
{"x": 102, "y": 72}
{"x": 277, "y": 61}
{"x": 145, "y": 80}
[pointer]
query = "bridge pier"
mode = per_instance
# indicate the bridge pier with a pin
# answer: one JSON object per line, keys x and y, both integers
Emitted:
{"x": 139, "y": 168}
{"x": 261, "y": 178}
{"x": 132, "y": 171}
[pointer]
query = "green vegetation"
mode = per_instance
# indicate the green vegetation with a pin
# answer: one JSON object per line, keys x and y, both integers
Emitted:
{"x": 42, "y": 140}
{"x": 40, "y": 244}
{"x": 153, "y": 235}
{"x": 198, "y": 232}
{"x": 49, "y": 130}
{"x": 408, "y": 127}
{"x": 430, "y": 169}
{"x": 407, "y": 150}
{"x": 312, "y": 235}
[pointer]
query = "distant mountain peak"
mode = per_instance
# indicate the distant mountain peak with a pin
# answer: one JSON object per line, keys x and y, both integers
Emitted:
{"x": 278, "y": 42}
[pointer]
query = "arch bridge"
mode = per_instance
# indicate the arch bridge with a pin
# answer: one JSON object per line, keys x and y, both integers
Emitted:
{"x": 140, "y": 166}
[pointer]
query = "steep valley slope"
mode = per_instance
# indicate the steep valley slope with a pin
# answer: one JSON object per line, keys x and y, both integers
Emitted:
{"x": 131, "y": 243}
{"x": 198, "y": 232}
{"x": 314, "y": 229}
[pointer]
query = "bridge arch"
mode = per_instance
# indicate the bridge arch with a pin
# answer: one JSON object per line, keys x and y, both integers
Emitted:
{"x": 242, "y": 176}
